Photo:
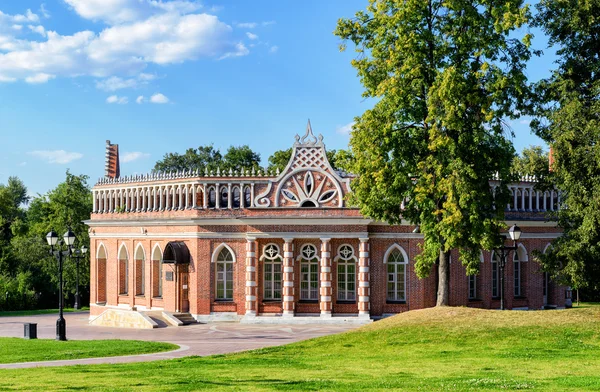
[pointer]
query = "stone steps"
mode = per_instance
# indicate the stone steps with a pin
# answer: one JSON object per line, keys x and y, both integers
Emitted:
{"x": 185, "y": 318}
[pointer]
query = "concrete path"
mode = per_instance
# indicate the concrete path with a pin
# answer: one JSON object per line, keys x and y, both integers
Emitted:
{"x": 199, "y": 339}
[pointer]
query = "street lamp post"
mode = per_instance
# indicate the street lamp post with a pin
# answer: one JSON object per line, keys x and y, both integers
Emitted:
{"x": 503, "y": 252}
{"x": 69, "y": 239}
{"x": 78, "y": 254}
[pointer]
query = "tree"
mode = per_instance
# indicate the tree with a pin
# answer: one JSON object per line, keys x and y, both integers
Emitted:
{"x": 532, "y": 161}
{"x": 445, "y": 75}
{"x": 204, "y": 157}
{"x": 240, "y": 158}
{"x": 567, "y": 119}
{"x": 339, "y": 159}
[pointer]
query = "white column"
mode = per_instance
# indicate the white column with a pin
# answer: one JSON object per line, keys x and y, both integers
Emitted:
{"x": 364, "y": 303}
{"x": 537, "y": 200}
{"x": 557, "y": 200}
{"x": 242, "y": 201}
{"x": 217, "y": 195}
{"x": 252, "y": 195}
{"x": 180, "y": 205}
{"x": 288, "y": 277}
{"x": 229, "y": 196}
{"x": 551, "y": 200}
{"x": 204, "y": 197}
{"x": 95, "y": 197}
{"x": 545, "y": 207}
{"x": 104, "y": 209}
{"x": 325, "y": 281}
{"x": 530, "y": 190}
{"x": 522, "y": 198}
{"x": 515, "y": 198}
{"x": 194, "y": 196}
{"x": 251, "y": 287}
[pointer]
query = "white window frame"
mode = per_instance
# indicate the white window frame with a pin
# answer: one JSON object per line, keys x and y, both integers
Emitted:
{"x": 275, "y": 262}
{"x": 394, "y": 280}
{"x": 223, "y": 274}
{"x": 344, "y": 261}
{"x": 309, "y": 293}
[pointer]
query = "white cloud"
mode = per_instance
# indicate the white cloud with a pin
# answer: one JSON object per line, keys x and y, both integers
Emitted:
{"x": 165, "y": 36}
{"x": 140, "y": 99}
{"x": 122, "y": 11}
{"x": 28, "y": 17}
{"x": 247, "y": 25}
{"x": 118, "y": 100}
{"x": 132, "y": 156}
{"x": 344, "y": 129}
{"x": 526, "y": 122}
{"x": 57, "y": 156}
{"x": 44, "y": 11}
{"x": 252, "y": 36}
{"x": 273, "y": 49}
{"x": 159, "y": 98}
{"x": 115, "y": 83}
{"x": 146, "y": 76}
{"x": 39, "y": 78}
{"x": 38, "y": 29}
{"x": 268, "y": 23}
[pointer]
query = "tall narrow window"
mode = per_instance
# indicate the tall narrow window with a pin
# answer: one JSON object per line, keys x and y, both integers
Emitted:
{"x": 212, "y": 198}
{"x": 495, "y": 276}
{"x": 224, "y": 201}
{"x": 517, "y": 273}
{"x": 472, "y": 286}
{"x": 309, "y": 273}
{"x": 140, "y": 271}
{"x": 247, "y": 197}
{"x": 346, "y": 274}
{"x": 224, "y": 275}
{"x": 123, "y": 271}
{"x": 396, "y": 276}
{"x": 272, "y": 272}
{"x": 156, "y": 272}
{"x": 235, "y": 202}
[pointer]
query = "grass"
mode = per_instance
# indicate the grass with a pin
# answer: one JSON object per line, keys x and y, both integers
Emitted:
{"x": 22, "y": 350}
{"x": 34, "y": 312}
{"x": 445, "y": 349}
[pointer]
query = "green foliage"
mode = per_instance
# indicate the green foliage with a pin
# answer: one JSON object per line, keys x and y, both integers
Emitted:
{"x": 204, "y": 157}
{"x": 339, "y": 159}
{"x": 207, "y": 158}
{"x": 27, "y": 271}
{"x": 445, "y": 75}
{"x": 532, "y": 161}
{"x": 567, "y": 118}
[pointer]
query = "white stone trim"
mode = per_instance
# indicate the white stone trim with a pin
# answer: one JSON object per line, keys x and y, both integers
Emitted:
{"x": 218, "y": 249}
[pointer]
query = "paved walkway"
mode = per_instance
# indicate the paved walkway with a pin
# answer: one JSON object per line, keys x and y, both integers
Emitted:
{"x": 199, "y": 339}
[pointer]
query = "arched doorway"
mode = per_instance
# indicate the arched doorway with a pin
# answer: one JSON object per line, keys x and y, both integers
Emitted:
{"x": 101, "y": 275}
{"x": 177, "y": 255}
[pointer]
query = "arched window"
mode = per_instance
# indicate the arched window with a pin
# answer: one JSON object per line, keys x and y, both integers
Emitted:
{"x": 346, "y": 274}
{"x": 224, "y": 200}
{"x": 235, "y": 202}
{"x": 101, "y": 274}
{"x": 309, "y": 273}
{"x": 247, "y": 197}
{"x": 212, "y": 198}
{"x": 474, "y": 281}
{"x": 272, "y": 272}
{"x": 396, "y": 274}
{"x": 157, "y": 272}
{"x": 224, "y": 274}
{"x": 123, "y": 271}
{"x": 495, "y": 275}
{"x": 140, "y": 272}
{"x": 519, "y": 256}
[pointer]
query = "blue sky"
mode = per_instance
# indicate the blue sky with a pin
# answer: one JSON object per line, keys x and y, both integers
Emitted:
{"x": 157, "y": 77}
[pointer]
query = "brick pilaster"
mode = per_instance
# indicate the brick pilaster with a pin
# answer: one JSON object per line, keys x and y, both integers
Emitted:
{"x": 325, "y": 278}
{"x": 364, "y": 261}
{"x": 288, "y": 277}
{"x": 251, "y": 289}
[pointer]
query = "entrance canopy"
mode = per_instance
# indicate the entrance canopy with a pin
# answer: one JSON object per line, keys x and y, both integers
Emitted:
{"x": 176, "y": 252}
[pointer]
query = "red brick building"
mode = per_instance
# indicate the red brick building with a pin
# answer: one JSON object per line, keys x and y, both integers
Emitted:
{"x": 256, "y": 246}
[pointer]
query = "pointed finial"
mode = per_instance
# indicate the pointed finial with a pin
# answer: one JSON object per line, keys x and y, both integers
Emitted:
{"x": 309, "y": 137}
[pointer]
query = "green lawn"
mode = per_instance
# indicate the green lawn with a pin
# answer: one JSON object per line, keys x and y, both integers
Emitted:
{"x": 428, "y": 350}
{"x": 23, "y": 350}
{"x": 34, "y": 312}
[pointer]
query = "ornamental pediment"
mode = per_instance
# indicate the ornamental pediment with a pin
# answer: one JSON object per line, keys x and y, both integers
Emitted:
{"x": 308, "y": 180}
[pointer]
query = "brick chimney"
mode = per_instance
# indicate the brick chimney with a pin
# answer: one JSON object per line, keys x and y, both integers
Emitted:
{"x": 112, "y": 168}
{"x": 550, "y": 159}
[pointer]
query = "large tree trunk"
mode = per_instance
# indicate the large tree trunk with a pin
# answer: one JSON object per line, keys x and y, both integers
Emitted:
{"x": 443, "y": 293}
